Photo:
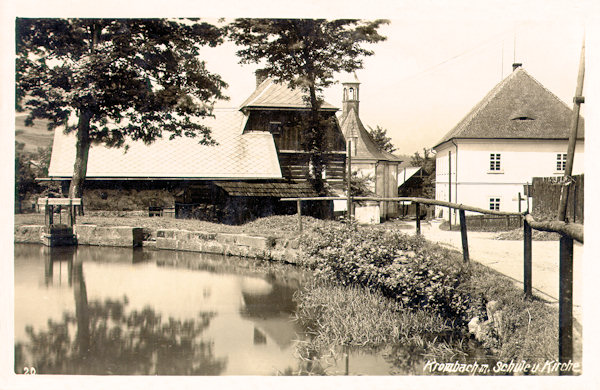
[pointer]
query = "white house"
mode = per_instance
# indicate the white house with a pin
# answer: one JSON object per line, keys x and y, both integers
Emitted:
{"x": 518, "y": 131}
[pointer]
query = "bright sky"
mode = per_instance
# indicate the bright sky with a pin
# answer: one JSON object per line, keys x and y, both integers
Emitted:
{"x": 430, "y": 73}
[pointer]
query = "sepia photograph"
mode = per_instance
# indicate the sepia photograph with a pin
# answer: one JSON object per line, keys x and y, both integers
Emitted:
{"x": 217, "y": 197}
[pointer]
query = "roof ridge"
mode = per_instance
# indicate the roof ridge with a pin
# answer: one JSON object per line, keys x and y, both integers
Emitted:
{"x": 547, "y": 90}
{"x": 265, "y": 88}
{"x": 478, "y": 107}
{"x": 476, "y": 110}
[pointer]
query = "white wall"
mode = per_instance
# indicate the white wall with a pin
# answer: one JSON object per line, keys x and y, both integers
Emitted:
{"x": 521, "y": 160}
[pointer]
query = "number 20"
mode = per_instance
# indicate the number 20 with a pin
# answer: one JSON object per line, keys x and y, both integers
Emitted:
{"x": 29, "y": 370}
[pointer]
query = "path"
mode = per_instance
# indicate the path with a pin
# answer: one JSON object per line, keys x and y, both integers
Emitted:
{"x": 507, "y": 257}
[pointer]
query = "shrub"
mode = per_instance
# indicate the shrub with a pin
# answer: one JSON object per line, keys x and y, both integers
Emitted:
{"x": 403, "y": 267}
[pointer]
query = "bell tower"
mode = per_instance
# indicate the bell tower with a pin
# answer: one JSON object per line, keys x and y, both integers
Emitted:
{"x": 350, "y": 97}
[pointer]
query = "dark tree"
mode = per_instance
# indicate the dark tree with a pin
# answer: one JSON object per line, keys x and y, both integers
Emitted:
{"x": 427, "y": 164}
{"x": 28, "y": 166}
{"x": 383, "y": 142}
{"x": 113, "y": 80}
{"x": 305, "y": 54}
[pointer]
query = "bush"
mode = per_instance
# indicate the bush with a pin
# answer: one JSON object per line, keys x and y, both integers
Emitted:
{"x": 403, "y": 267}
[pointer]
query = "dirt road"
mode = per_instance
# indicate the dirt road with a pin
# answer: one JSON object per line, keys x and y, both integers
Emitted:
{"x": 507, "y": 257}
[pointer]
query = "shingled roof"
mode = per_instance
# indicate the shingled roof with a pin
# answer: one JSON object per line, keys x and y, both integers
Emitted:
{"x": 366, "y": 148}
{"x": 519, "y": 107}
{"x": 270, "y": 94}
{"x": 278, "y": 190}
{"x": 237, "y": 156}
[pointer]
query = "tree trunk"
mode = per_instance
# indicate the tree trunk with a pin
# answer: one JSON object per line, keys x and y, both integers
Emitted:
{"x": 82, "y": 148}
{"x": 316, "y": 141}
{"x": 82, "y": 312}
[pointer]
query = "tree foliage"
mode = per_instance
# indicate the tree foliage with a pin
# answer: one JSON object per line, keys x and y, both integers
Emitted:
{"x": 427, "y": 163}
{"x": 28, "y": 167}
{"x": 113, "y": 80}
{"x": 383, "y": 142}
{"x": 305, "y": 54}
{"x": 360, "y": 184}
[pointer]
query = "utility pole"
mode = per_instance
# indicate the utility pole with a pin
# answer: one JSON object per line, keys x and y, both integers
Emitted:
{"x": 565, "y": 289}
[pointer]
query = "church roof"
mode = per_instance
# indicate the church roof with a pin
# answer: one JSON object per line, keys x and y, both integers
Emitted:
{"x": 366, "y": 148}
{"x": 270, "y": 94}
{"x": 519, "y": 107}
{"x": 237, "y": 156}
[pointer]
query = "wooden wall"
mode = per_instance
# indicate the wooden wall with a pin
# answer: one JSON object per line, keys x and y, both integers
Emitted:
{"x": 295, "y": 165}
{"x": 293, "y": 124}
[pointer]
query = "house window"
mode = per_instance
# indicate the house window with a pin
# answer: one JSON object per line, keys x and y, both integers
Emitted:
{"x": 494, "y": 161}
{"x": 561, "y": 162}
{"x": 275, "y": 128}
{"x": 495, "y": 204}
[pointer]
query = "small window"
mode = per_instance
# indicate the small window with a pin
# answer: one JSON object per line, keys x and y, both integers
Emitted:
{"x": 494, "y": 161}
{"x": 561, "y": 162}
{"x": 495, "y": 204}
{"x": 275, "y": 128}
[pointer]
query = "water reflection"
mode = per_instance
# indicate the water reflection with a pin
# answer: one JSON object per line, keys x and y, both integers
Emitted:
{"x": 94, "y": 310}
{"x": 91, "y": 310}
{"x": 105, "y": 338}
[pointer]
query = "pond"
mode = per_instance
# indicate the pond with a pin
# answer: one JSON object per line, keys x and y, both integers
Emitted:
{"x": 100, "y": 310}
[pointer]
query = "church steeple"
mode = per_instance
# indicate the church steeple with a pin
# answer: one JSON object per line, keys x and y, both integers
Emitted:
{"x": 350, "y": 98}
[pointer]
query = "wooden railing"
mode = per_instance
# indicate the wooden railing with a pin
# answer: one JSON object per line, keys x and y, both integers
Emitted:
{"x": 50, "y": 204}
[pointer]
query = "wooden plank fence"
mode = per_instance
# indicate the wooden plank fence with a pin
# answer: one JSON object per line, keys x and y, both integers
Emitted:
{"x": 546, "y": 197}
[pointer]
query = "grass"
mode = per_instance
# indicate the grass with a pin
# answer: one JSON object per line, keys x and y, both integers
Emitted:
{"x": 353, "y": 316}
{"x": 357, "y": 317}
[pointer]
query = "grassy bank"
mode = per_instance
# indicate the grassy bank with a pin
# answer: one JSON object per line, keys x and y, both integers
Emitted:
{"x": 377, "y": 289}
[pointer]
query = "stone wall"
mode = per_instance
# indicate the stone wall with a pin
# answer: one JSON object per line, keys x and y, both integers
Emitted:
{"x": 125, "y": 236}
{"x": 228, "y": 244}
{"x": 244, "y": 245}
{"x": 30, "y": 234}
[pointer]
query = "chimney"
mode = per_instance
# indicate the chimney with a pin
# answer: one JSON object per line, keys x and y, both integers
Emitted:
{"x": 517, "y": 65}
{"x": 261, "y": 75}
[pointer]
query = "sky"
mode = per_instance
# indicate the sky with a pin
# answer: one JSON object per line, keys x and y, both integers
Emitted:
{"x": 428, "y": 74}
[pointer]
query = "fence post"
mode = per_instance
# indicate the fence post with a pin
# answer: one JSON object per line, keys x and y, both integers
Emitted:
{"x": 348, "y": 188}
{"x": 463, "y": 235}
{"x": 565, "y": 303}
{"x": 298, "y": 206}
{"x": 418, "y": 219}
{"x": 527, "y": 237}
{"x": 520, "y": 199}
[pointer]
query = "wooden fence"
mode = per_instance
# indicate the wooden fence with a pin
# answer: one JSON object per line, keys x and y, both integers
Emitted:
{"x": 546, "y": 197}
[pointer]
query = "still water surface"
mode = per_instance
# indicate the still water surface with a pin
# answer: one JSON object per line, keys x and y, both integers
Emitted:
{"x": 92, "y": 310}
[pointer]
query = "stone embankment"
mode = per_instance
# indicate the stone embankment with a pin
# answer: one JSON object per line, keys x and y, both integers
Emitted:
{"x": 252, "y": 246}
